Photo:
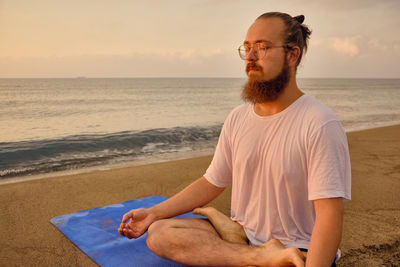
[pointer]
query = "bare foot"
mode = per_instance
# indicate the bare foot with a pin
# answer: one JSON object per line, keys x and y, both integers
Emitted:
{"x": 229, "y": 230}
{"x": 273, "y": 253}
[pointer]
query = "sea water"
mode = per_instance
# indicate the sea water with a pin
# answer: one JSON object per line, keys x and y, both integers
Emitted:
{"x": 49, "y": 125}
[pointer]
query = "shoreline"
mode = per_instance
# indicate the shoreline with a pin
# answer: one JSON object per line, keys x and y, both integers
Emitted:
{"x": 172, "y": 156}
{"x": 137, "y": 162}
{"x": 370, "y": 234}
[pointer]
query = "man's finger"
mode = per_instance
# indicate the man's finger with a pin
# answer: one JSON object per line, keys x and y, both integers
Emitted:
{"x": 121, "y": 231}
{"x": 130, "y": 234}
{"x": 127, "y": 233}
{"x": 126, "y": 217}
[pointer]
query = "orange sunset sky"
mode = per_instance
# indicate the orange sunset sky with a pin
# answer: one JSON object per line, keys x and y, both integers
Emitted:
{"x": 188, "y": 38}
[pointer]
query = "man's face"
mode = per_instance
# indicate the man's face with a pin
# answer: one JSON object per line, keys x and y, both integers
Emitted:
{"x": 269, "y": 73}
{"x": 269, "y": 31}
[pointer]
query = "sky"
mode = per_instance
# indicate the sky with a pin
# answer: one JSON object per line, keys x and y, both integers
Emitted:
{"x": 189, "y": 38}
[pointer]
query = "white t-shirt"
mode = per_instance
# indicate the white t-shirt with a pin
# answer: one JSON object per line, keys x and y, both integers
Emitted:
{"x": 277, "y": 165}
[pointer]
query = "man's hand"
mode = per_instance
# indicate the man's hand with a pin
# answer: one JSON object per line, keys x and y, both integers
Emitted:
{"x": 135, "y": 223}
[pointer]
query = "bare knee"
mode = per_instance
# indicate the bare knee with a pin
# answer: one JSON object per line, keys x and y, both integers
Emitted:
{"x": 158, "y": 237}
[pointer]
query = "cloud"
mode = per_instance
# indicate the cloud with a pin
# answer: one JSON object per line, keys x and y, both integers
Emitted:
{"x": 359, "y": 46}
{"x": 378, "y": 45}
{"x": 193, "y": 56}
{"x": 345, "y": 46}
{"x": 359, "y": 55}
{"x": 381, "y": 47}
{"x": 185, "y": 63}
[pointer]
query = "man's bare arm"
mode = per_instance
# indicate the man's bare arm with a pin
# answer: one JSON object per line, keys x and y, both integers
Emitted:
{"x": 197, "y": 194}
{"x": 327, "y": 232}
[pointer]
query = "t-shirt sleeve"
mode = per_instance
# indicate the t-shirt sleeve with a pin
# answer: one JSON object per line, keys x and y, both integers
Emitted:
{"x": 329, "y": 171}
{"x": 219, "y": 173}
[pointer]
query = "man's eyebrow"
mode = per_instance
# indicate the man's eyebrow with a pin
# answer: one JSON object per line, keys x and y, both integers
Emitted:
{"x": 257, "y": 42}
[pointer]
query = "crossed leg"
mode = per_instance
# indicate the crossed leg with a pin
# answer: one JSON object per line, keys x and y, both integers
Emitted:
{"x": 197, "y": 242}
{"x": 227, "y": 229}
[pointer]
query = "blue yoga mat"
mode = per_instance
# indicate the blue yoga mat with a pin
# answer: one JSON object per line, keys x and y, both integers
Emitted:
{"x": 95, "y": 232}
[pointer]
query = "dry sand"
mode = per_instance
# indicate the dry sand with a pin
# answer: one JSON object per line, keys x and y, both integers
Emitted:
{"x": 371, "y": 226}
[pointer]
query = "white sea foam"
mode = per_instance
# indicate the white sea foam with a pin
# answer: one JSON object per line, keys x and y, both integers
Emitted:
{"x": 47, "y": 125}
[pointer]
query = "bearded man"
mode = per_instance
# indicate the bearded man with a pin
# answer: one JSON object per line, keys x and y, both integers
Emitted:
{"x": 286, "y": 157}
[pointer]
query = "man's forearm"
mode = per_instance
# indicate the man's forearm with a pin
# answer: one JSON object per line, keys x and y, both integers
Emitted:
{"x": 197, "y": 194}
{"x": 327, "y": 233}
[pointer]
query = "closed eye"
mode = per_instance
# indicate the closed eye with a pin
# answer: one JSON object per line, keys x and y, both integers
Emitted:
{"x": 263, "y": 47}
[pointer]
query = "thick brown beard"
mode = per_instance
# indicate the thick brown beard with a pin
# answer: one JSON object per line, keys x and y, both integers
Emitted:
{"x": 261, "y": 91}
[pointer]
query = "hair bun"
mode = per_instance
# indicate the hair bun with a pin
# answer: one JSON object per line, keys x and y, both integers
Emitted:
{"x": 300, "y": 19}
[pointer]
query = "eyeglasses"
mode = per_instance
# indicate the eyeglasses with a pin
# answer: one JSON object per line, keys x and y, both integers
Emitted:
{"x": 259, "y": 50}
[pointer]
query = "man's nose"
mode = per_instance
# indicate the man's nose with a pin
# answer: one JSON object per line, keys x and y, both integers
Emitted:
{"x": 252, "y": 55}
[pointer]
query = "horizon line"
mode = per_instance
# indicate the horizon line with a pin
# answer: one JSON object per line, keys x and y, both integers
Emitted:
{"x": 183, "y": 77}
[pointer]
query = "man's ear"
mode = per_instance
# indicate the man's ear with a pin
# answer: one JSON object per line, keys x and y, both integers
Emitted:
{"x": 293, "y": 56}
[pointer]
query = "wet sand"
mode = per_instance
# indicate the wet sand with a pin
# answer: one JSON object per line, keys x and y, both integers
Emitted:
{"x": 371, "y": 226}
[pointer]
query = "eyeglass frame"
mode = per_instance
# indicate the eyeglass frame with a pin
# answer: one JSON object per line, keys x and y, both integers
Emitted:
{"x": 258, "y": 44}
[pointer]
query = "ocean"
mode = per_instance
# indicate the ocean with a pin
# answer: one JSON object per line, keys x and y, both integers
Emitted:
{"x": 72, "y": 125}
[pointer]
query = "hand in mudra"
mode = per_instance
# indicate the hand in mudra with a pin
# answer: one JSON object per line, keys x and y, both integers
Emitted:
{"x": 135, "y": 223}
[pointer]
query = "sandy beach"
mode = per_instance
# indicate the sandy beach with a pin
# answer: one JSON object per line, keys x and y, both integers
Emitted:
{"x": 371, "y": 226}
